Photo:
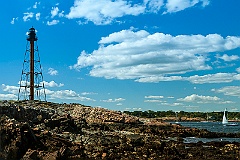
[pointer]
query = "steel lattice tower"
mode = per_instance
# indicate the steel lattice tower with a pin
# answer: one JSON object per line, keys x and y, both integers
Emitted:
{"x": 31, "y": 83}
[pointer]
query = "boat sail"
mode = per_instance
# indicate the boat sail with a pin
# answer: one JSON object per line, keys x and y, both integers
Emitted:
{"x": 224, "y": 120}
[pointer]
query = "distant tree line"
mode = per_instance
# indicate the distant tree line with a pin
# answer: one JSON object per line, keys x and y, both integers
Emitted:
{"x": 214, "y": 116}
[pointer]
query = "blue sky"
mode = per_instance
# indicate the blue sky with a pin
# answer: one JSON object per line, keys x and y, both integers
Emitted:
{"x": 128, "y": 55}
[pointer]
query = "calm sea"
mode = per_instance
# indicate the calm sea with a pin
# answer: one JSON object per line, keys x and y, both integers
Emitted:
{"x": 213, "y": 127}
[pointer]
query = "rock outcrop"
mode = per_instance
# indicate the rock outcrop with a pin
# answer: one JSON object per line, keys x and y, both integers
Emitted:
{"x": 44, "y": 130}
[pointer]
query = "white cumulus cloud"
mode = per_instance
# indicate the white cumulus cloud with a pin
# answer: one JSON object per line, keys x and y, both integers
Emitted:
{"x": 153, "y": 101}
{"x": 113, "y": 100}
{"x": 51, "y": 94}
{"x": 238, "y": 69}
{"x": 214, "y": 78}
{"x": 52, "y": 84}
{"x": 38, "y": 16}
{"x": 154, "y": 97}
{"x": 204, "y": 99}
{"x": 89, "y": 93}
{"x": 104, "y": 11}
{"x": 36, "y": 5}
{"x": 146, "y": 57}
{"x": 53, "y": 22}
{"x": 54, "y": 11}
{"x": 154, "y": 5}
{"x": 199, "y": 99}
{"x": 8, "y": 97}
{"x": 67, "y": 95}
{"x": 52, "y": 71}
{"x": 229, "y": 90}
{"x": 228, "y": 58}
{"x": 10, "y": 89}
{"x": 13, "y": 20}
{"x": 27, "y": 16}
{"x": 156, "y": 79}
{"x": 179, "y": 5}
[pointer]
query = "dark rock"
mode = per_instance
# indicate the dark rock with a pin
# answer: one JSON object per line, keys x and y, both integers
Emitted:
{"x": 31, "y": 154}
{"x": 44, "y": 130}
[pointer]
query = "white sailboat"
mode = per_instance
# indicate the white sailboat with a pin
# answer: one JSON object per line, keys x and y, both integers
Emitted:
{"x": 225, "y": 120}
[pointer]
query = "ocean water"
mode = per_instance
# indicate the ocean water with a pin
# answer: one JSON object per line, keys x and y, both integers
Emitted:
{"x": 205, "y": 140}
{"x": 213, "y": 127}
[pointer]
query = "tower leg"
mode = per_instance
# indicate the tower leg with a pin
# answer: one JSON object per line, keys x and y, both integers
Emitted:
{"x": 31, "y": 96}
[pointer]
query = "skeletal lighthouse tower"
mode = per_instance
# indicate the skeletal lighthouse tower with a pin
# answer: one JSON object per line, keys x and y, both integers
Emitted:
{"x": 31, "y": 83}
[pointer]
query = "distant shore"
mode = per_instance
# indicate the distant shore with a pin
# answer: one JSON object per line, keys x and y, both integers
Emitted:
{"x": 185, "y": 116}
{"x": 185, "y": 119}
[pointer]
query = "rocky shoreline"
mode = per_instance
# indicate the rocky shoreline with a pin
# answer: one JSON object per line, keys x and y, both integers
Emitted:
{"x": 45, "y": 130}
